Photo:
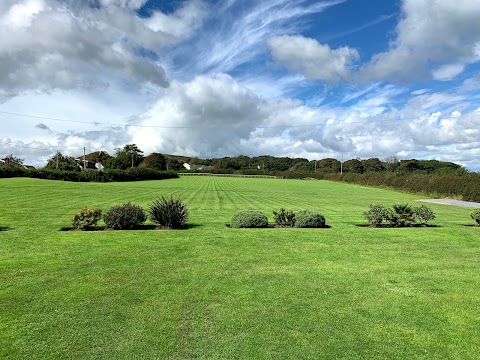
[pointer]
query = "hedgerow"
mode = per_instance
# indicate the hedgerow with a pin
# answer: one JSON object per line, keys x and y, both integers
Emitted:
{"x": 109, "y": 175}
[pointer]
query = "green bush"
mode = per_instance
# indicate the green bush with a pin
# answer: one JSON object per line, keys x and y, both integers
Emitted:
{"x": 249, "y": 219}
{"x": 123, "y": 217}
{"x": 424, "y": 214}
{"x": 169, "y": 213}
{"x": 475, "y": 214}
{"x": 284, "y": 218}
{"x": 309, "y": 219}
{"x": 401, "y": 215}
{"x": 377, "y": 214}
{"x": 86, "y": 218}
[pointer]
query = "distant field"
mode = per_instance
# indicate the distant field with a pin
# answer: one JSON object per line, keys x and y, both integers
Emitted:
{"x": 213, "y": 292}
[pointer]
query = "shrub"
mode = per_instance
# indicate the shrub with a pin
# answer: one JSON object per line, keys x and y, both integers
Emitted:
{"x": 309, "y": 219}
{"x": 284, "y": 218}
{"x": 424, "y": 214}
{"x": 126, "y": 216}
{"x": 475, "y": 214}
{"x": 86, "y": 218}
{"x": 169, "y": 213}
{"x": 249, "y": 219}
{"x": 401, "y": 215}
{"x": 376, "y": 215}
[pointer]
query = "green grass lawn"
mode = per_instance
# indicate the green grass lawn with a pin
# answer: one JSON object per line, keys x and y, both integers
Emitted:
{"x": 213, "y": 292}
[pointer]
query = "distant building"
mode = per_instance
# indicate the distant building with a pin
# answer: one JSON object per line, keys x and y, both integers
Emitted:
{"x": 197, "y": 167}
{"x": 10, "y": 161}
{"x": 89, "y": 165}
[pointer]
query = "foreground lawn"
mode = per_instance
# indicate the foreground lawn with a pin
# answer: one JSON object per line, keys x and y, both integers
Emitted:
{"x": 214, "y": 292}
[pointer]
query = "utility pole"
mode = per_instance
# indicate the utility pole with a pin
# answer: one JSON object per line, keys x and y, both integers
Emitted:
{"x": 84, "y": 160}
{"x": 57, "y": 159}
{"x": 132, "y": 159}
{"x": 315, "y": 165}
{"x": 341, "y": 165}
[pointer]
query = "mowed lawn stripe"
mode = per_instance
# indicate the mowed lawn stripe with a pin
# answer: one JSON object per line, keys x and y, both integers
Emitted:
{"x": 215, "y": 292}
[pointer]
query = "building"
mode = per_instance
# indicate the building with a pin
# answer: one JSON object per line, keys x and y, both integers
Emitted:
{"x": 197, "y": 167}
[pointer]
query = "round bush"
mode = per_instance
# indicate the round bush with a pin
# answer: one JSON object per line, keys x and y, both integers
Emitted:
{"x": 86, "y": 218}
{"x": 123, "y": 217}
{"x": 169, "y": 213}
{"x": 309, "y": 219}
{"x": 249, "y": 219}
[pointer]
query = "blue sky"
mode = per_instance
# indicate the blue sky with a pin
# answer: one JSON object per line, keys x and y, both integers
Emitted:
{"x": 309, "y": 79}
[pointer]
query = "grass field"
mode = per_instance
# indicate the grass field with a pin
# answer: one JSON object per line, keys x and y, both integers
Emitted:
{"x": 213, "y": 292}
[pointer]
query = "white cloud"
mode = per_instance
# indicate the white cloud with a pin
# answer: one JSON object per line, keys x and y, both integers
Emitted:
{"x": 182, "y": 23}
{"x": 314, "y": 60}
{"x": 448, "y": 72}
{"x": 438, "y": 31}
{"x": 50, "y": 44}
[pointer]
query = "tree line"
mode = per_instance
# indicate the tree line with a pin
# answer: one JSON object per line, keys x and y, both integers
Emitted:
{"x": 130, "y": 156}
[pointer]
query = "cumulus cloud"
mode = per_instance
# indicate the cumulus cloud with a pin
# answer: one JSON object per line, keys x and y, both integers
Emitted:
{"x": 314, "y": 60}
{"x": 51, "y": 44}
{"x": 440, "y": 31}
{"x": 182, "y": 23}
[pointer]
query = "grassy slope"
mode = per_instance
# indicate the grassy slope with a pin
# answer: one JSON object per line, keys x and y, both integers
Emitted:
{"x": 214, "y": 292}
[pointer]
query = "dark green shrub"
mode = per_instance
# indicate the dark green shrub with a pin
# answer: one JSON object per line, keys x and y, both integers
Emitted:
{"x": 475, "y": 214}
{"x": 86, "y": 218}
{"x": 284, "y": 218}
{"x": 123, "y": 217}
{"x": 424, "y": 214}
{"x": 249, "y": 219}
{"x": 169, "y": 213}
{"x": 401, "y": 215}
{"x": 376, "y": 215}
{"x": 309, "y": 219}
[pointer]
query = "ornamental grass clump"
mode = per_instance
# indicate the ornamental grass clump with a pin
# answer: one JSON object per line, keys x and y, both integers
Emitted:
{"x": 475, "y": 214}
{"x": 309, "y": 219}
{"x": 249, "y": 219}
{"x": 168, "y": 213}
{"x": 124, "y": 217}
{"x": 86, "y": 218}
{"x": 402, "y": 215}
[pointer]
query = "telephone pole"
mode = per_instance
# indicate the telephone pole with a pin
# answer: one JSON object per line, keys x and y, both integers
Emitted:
{"x": 84, "y": 160}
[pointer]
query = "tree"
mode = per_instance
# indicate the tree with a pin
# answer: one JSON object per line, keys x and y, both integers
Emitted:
{"x": 62, "y": 162}
{"x": 328, "y": 165}
{"x": 353, "y": 166}
{"x": 154, "y": 161}
{"x": 373, "y": 164}
{"x": 128, "y": 156}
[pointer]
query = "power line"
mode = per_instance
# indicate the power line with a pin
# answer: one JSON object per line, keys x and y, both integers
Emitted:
{"x": 257, "y": 127}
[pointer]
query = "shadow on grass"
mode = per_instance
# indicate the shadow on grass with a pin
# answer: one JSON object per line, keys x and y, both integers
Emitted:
{"x": 140, "y": 227}
{"x": 388, "y": 226}
{"x": 472, "y": 225}
{"x": 5, "y": 228}
{"x": 270, "y": 226}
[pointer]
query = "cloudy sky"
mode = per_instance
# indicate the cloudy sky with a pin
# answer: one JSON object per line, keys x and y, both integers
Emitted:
{"x": 303, "y": 78}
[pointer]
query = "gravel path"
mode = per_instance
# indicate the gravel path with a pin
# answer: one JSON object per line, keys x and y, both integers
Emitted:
{"x": 466, "y": 204}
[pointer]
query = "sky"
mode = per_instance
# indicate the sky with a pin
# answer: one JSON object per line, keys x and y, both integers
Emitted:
{"x": 205, "y": 78}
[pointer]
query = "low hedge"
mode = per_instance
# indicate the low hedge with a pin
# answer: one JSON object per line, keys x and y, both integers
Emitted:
{"x": 109, "y": 175}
